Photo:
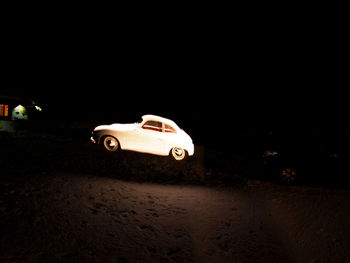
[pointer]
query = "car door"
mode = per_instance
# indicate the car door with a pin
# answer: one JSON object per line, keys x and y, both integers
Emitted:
{"x": 170, "y": 138}
{"x": 151, "y": 137}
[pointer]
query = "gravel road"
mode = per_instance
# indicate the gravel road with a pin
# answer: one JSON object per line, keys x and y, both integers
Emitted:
{"x": 71, "y": 217}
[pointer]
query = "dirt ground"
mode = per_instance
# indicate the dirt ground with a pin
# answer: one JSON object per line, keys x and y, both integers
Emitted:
{"x": 84, "y": 218}
{"x": 67, "y": 203}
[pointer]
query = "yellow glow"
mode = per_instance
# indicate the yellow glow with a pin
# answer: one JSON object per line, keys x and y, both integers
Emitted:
{"x": 19, "y": 113}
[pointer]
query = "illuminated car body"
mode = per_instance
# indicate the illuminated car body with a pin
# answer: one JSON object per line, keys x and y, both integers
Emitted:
{"x": 154, "y": 134}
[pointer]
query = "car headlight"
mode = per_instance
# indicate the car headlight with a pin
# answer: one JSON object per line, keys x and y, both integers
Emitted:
{"x": 270, "y": 153}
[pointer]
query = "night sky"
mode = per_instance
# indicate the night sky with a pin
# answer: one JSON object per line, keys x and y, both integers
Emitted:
{"x": 190, "y": 69}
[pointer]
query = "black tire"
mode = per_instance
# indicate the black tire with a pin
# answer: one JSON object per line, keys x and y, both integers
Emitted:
{"x": 110, "y": 143}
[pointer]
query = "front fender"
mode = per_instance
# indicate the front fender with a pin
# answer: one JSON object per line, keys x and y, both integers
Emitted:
{"x": 99, "y": 135}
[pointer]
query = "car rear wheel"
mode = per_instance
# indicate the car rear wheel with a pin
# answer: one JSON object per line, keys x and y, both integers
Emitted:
{"x": 288, "y": 175}
{"x": 111, "y": 143}
{"x": 178, "y": 153}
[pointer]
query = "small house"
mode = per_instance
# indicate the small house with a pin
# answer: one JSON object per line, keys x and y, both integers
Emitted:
{"x": 14, "y": 111}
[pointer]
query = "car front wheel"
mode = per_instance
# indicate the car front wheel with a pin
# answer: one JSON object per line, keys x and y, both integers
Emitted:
{"x": 178, "y": 153}
{"x": 111, "y": 143}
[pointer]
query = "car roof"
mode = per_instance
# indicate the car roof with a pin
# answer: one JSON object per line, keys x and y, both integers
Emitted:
{"x": 160, "y": 119}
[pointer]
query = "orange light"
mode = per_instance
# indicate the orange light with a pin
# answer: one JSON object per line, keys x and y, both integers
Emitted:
{"x": 6, "y": 110}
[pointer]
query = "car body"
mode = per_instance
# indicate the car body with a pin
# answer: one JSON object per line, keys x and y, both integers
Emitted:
{"x": 154, "y": 134}
{"x": 306, "y": 154}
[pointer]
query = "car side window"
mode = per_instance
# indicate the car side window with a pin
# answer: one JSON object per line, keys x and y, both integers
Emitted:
{"x": 152, "y": 125}
{"x": 169, "y": 129}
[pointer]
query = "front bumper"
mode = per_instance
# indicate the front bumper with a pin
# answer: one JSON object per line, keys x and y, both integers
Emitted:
{"x": 92, "y": 139}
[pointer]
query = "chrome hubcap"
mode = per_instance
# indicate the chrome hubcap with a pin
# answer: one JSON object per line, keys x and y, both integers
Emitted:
{"x": 178, "y": 151}
{"x": 288, "y": 175}
{"x": 111, "y": 144}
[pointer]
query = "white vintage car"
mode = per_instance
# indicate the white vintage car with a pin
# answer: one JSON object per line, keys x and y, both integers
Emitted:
{"x": 154, "y": 134}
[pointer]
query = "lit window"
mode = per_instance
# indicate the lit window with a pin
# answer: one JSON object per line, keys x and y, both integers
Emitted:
{"x": 4, "y": 110}
{"x": 169, "y": 129}
{"x": 153, "y": 125}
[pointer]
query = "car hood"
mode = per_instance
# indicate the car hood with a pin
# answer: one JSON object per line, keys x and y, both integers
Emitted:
{"x": 116, "y": 127}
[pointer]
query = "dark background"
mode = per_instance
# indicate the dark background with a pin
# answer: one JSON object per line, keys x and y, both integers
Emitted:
{"x": 208, "y": 71}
